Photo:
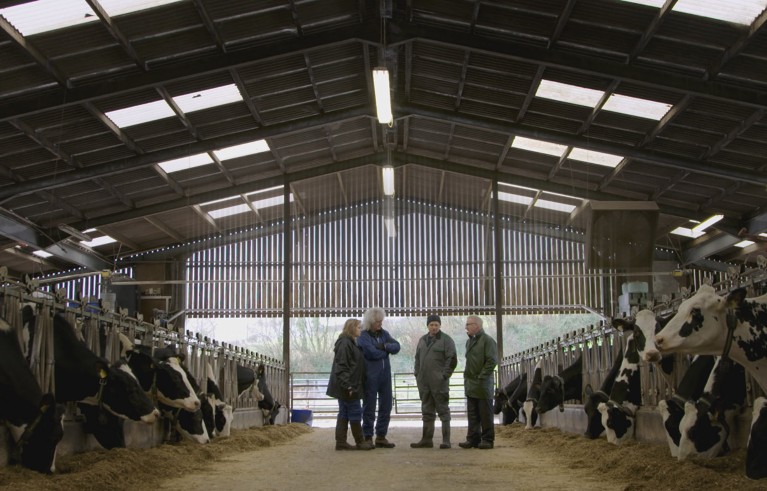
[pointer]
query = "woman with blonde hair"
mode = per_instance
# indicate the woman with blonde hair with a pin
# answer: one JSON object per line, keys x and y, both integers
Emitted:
{"x": 347, "y": 379}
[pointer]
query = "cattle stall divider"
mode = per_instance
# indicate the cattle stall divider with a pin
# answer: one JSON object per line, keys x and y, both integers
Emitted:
{"x": 100, "y": 330}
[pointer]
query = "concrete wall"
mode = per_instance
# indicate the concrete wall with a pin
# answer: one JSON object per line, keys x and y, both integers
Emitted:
{"x": 649, "y": 424}
{"x": 137, "y": 435}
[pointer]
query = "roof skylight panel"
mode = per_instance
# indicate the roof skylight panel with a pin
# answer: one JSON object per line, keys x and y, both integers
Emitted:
{"x": 142, "y": 113}
{"x": 229, "y": 211}
{"x": 634, "y": 106}
{"x": 736, "y": 11}
{"x": 98, "y": 241}
{"x": 185, "y": 163}
{"x": 515, "y": 198}
{"x": 593, "y": 157}
{"x": 204, "y": 99}
{"x": 553, "y": 205}
{"x": 573, "y": 94}
{"x": 42, "y": 254}
{"x": 235, "y": 151}
{"x": 538, "y": 146}
{"x": 119, "y": 7}
{"x": 47, "y": 15}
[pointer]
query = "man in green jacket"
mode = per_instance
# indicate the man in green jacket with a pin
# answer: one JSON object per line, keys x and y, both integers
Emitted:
{"x": 478, "y": 383}
{"x": 435, "y": 360}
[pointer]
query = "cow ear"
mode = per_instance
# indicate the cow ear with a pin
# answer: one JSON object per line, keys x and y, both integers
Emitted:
{"x": 621, "y": 324}
{"x": 736, "y": 297}
{"x": 102, "y": 369}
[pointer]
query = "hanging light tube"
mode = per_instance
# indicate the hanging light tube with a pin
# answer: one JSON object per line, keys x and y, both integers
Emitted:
{"x": 383, "y": 95}
{"x": 387, "y": 173}
{"x": 707, "y": 223}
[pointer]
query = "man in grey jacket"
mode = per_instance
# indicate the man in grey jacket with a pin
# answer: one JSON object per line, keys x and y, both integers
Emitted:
{"x": 435, "y": 360}
{"x": 478, "y": 382}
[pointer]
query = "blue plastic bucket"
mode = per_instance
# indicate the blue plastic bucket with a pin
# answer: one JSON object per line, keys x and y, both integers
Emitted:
{"x": 301, "y": 416}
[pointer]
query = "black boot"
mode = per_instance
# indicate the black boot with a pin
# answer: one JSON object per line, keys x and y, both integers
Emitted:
{"x": 362, "y": 444}
{"x": 342, "y": 430}
{"x": 445, "y": 435}
{"x": 427, "y": 436}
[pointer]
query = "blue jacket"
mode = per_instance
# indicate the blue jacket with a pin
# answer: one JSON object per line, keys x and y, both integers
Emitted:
{"x": 377, "y": 360}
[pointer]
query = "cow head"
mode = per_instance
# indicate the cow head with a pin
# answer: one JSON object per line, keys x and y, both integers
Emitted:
{"x": 594, "y": 426}
{"x": 702, "y": 433}
{"x": 37, "y": 451}
{"x": 756, "y": 454}
{"x": 644, "y": 325}
{"x": 552, "y": 393}
{"x": 618, "y": 420}
{"x": 191, "y": 426}
{"x": 698, "y": 326}
{"x": 121, "y": 394}
{"x": 182, "y": 389}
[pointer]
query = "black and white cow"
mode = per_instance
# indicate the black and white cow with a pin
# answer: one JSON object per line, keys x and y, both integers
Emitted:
{"x": 268, "y": 405}
{"x": 164, "y": 380}
{"x": 509, "y": 399}
{"x": 594, "y": 427}
{"x": 533, "y": 393}
{"x": 756, "y": 454}
{"x": 706, "y": 424}
{"x": 82, "y": 376}
{"x": 690, "y": 389}
{"x": 33, "y": 418}
{"x": 566, "y": 385}
{"x": 619, "y": 412}
{"x": 700, "y": 327}
{"x": 247, "y": 381}
{"x": 217, "y": 414}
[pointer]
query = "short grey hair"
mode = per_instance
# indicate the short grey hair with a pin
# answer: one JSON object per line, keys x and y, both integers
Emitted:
{"x": 371, "y": 316}
{"x": 476, "y": 319}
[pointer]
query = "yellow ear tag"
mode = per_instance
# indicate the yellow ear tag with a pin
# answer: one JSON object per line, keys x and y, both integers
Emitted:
{"x": 102, "y": 373}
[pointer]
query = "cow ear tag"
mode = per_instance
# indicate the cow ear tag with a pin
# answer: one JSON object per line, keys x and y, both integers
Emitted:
{"x": 102, "y": 373}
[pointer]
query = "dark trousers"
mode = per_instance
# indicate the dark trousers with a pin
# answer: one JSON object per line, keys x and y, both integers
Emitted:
{"x": 481, "y": 422}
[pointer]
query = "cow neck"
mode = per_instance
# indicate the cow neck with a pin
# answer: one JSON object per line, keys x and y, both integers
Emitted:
{"x": 732, "y": 323}
{"x": 561, "y": 384}
{"x": 153, "y": 388}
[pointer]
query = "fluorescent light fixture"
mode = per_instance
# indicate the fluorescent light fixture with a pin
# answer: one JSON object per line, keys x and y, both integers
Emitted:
{"x": 553, "y": 205}
{"x": 48, "y": 15}
{"x": 744, "y": 243}
{"x": 736, "y": 11}
{"x": 143, "y": 113}
{"x": 686, "y": 232}
{"x": 515, "y": 198}
{"x": 203, "y": 99}
{"x": 119, "y": 7}
{"x": 707, "y": 223}
{"x": 383, "y": 95}
{"x": 235, "y": 151}
{"x": 387, "y": 172}
{"x": 763, "y": 235}
{"x": 538, "y": 146}
{"x": 74, "y": 232}
{"x": 42, "y": 254}
{"x": 573, "y": 94}
{"x": 633, "y": 106}
{"x": 593, "y": 157}
{"x": 98, "y": 241}
{"x": 391, "y": 229}
{"x": 185, "y": 163}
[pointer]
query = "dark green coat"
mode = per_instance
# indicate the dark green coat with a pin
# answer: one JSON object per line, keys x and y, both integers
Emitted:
{"x": 481, "y": 359}
{"x": 434, "y": 364}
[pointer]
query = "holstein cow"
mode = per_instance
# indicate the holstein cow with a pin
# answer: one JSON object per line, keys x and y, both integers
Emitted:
{"x": 700, "y": 327}
{"x": 566, "y": 385}
{"x": 32, "y": 417}
{"x": 509, "y": 399}
{"x": 268, "y": 405}
{"x": 216, "y": 414}
{"x": 690, "y": 389}
{"x": 756, "y": 455}
{"x": 533, "y": 393}
{"x": 706, "y": 423}
{"x": 594, "y": 427}
{"x": 164, "y": 380}
{"x": 82, "y": 376}
{"x": 618, "y": 413}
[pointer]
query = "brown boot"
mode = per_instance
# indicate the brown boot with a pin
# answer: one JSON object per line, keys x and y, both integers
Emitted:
{"x": 342, "y": 430}
{"x": 382, "y": 442}
{"x": 359, "y": 438}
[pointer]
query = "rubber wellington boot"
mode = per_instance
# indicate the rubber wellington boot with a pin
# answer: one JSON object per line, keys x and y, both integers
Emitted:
{"x": 427, "y": 436}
